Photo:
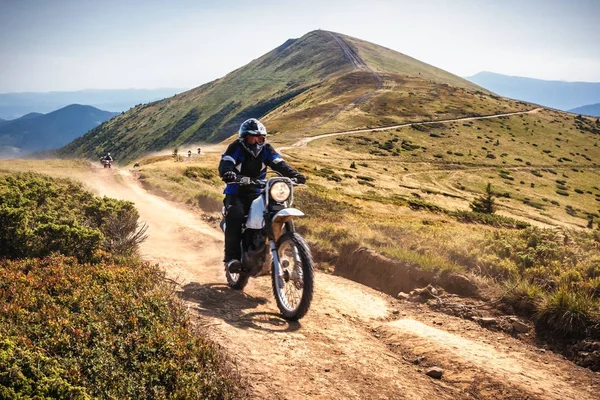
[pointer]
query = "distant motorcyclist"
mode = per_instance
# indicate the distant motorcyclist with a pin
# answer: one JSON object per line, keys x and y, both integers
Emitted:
{"x": 248, "y": 156}
{"x": 189, "y": 153}
{"x": 107, "y": 161}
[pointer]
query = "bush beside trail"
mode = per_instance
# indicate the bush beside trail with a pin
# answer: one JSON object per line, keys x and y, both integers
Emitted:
{"x": 40, "y": 215}
{"x": 80, "y": 316}
{"x": 72, "y": 330}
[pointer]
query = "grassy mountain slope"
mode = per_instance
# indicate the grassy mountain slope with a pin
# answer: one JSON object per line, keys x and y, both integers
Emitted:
{"x": 34, "y": 132}
{"x": 313, "y": 84}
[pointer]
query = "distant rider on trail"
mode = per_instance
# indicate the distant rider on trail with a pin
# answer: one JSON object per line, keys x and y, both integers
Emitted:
{"x": 248, "y": 156}
{"x": 107, "y": 160}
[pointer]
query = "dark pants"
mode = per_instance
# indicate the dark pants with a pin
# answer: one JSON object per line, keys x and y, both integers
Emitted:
{"x": 237, "y": 208}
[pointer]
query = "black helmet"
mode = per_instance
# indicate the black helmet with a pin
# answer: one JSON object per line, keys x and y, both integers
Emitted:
{"x": 252, "y": 126}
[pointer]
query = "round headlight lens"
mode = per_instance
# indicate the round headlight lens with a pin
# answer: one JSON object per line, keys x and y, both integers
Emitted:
{"x": 280, "y": 192}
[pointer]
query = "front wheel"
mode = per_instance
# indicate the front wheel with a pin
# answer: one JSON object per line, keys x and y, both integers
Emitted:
{"x": 293, "y": 288}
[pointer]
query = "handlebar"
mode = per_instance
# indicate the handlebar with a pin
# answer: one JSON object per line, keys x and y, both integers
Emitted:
{"x": 261, "y": 183}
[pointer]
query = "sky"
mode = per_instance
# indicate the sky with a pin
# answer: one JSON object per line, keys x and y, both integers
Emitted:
{"x": 61, "y": 45}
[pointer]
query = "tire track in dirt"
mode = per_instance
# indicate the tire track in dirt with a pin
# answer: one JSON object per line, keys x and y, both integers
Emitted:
{"x": 355, "y": 59}
{"x": 343, "y": 347}
{"x": 360, "y": 65}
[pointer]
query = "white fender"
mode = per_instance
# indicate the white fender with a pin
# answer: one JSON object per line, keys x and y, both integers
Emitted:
{"x": 287, "y": 214}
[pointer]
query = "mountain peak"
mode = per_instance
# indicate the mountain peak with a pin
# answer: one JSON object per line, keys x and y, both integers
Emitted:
{"x": 320, "y": 81}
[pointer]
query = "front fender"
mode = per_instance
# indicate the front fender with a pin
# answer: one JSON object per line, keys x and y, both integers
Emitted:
{"x": 282, "y": 217}
{"x": 286, "y": 214}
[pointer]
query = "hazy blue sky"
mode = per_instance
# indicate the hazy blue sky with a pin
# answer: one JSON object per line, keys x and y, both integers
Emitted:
{"x": 76, "y": 44}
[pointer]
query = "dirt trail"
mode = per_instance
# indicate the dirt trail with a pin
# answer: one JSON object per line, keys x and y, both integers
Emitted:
{"x": 305, "y": 141}
{"x": 354, "y": 343}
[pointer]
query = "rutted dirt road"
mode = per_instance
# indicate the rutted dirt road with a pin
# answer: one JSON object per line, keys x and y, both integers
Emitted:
{"x": 354, "y": 342}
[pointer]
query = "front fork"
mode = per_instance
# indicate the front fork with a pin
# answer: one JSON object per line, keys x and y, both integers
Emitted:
{"x": 276, "y": 263}
{"x": 295, "y": 275}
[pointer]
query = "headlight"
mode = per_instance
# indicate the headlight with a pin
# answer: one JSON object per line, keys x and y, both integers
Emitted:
{"x": 280, "y": 192}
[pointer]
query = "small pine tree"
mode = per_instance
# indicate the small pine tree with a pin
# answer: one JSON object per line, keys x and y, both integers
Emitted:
{"x": 590, "y": 224}
{"x": 485, "y": 204}
{"x": 176, "y": 155}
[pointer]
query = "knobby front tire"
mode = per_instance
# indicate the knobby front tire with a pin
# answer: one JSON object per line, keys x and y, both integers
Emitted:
{"x": 294, "y": 291}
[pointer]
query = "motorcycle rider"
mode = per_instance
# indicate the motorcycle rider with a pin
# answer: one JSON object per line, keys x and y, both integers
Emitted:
{"x": 107, "y": 157}
{"x": 248, "y": 156}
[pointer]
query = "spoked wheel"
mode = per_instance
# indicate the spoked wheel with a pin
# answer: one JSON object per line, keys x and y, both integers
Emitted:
{"x": 237, "y": 281}
{"x": 293, "y": 288}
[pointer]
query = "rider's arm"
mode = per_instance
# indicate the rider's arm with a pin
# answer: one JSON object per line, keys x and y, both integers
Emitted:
{"x": 275, "y": 162}
{"x": 229, "y": 159}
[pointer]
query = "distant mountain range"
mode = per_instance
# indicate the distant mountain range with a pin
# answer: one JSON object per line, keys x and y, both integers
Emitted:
{"x": 590, "y": 109}
{"x": 556, "y": 94}
{"x": 15, "y": 105}
{"x": 36, "y": 131}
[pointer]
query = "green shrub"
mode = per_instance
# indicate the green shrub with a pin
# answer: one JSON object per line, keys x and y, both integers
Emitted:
{"x": 524, "y": 297}
{"x": 199, "y": 172}
{"x": 568, "y": 312}
{"x": 365, "y": 178}
{"x": 84, "y": 331}
{"x": 498, "y": 221}
{"x": 40, "y": 215}
{"x": 27, "y": 372}
{"x": 533, "y": 204}
{"x": 486, "y": 203}
{"x": 418, "y": 204}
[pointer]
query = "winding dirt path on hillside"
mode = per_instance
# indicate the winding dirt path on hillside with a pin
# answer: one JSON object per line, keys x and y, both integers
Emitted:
{"x": 360, "y": 65}
{"x": 354, "y": 343}
{"x": 305, "y": 141}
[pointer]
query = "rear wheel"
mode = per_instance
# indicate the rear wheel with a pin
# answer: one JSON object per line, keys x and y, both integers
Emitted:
{"x": 293, "y": 289}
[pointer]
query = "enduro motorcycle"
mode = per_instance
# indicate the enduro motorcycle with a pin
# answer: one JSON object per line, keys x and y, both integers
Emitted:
{"x": 107, "y": 163}
{"x": 270, "y": 243}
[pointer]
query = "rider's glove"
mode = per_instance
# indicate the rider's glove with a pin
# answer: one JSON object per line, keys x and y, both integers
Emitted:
{"x": 301, "y": 179}
{"x": 229, "y": 177}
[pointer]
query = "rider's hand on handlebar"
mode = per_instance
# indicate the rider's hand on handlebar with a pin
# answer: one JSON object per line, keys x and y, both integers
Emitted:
{"x": 299, "y": 178}
{"x": 229, "y": 177}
